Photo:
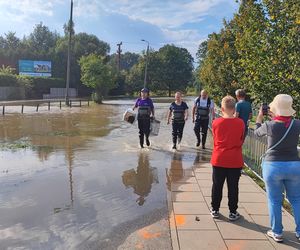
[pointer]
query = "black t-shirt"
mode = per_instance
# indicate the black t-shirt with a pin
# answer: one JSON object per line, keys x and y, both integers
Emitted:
{"x": 178, "y": 111}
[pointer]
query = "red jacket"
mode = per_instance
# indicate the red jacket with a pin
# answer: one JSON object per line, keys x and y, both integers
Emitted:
{"x": 228, "y": 134}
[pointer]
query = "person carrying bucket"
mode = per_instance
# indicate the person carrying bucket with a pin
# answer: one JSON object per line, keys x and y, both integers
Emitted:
{"x": 145, "y": 111}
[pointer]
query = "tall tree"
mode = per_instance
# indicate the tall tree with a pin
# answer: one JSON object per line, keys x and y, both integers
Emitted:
{"x": 177, "y": 68}
{"x": 83, "y": 44}
{"x": 42, "y": 41}
{"x": 97, "y": 74}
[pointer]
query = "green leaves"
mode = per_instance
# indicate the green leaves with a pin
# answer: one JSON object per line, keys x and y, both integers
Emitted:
{"x": 257, "y": 50}
{"x": 170, "y": 68}
{"x": 97, "y": 74}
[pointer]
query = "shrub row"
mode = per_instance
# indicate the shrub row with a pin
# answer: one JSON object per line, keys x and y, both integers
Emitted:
{"x": 34, "y": 87}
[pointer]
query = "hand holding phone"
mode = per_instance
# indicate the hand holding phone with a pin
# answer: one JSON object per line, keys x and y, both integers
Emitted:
{"x": 265, "y": 109}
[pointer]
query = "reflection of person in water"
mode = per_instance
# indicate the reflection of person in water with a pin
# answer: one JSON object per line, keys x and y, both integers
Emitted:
{"x": 202, "y": 157}
{"x": 175, "y": 173}
{"x": 141, "y": 179}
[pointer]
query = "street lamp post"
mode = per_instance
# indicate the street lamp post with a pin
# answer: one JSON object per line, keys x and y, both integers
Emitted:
{"x": 147, "y": 58}
{"x": 69, "y": 54}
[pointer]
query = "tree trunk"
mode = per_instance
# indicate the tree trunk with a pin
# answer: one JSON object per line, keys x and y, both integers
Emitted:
{"x": 97, "y": 97}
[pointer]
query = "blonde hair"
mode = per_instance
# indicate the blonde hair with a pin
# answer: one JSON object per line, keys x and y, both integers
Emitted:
{"x": 228, "y": 102}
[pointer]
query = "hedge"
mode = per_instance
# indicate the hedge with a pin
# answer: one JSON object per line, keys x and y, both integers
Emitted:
{"x": 8, "y": 80}
{"x": 34, "y": 87}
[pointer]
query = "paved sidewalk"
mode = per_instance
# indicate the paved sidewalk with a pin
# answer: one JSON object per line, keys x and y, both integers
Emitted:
{"x": 190, "y": 197}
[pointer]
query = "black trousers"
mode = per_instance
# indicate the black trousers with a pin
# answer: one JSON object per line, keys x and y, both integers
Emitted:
{"x": 144, "y": 128}
{"x": 201, "y": 125}
{"x": 177, "y": 130}
{"x": 232, "y": 176}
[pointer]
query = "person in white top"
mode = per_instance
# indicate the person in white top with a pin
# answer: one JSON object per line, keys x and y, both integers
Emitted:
{"x": 203, "y": 108}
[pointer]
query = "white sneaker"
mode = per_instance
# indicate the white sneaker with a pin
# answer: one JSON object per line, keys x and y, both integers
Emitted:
{"x": 234, "y": 216}
{"x": 298, "y": 236}
{"x": 276, "y": 237}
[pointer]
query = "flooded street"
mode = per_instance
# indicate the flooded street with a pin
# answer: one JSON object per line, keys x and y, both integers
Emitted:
{"x": 76, "y": 178}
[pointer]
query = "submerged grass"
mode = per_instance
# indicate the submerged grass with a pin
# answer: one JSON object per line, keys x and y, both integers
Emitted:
{"x": 16, "y": 145}
{"x": 21, "y": 144}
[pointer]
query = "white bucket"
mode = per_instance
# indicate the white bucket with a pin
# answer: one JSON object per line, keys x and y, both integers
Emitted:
{"x": 129, "y": 116}
{"x": 154, "y": 127}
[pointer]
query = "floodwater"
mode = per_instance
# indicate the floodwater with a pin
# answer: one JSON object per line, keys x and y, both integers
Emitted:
{"x": 76, "y": 178}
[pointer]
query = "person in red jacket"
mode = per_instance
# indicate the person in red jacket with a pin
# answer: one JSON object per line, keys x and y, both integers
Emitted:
{"x": 227, "y": 159}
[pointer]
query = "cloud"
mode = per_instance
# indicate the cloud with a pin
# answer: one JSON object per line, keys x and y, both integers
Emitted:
{"x": 187, "y": 38}
{"x": 166, "y": 14}
{"x": 27, "y": 8}
{"x": 181, "y": 22}
{"x": 170, "y": 16}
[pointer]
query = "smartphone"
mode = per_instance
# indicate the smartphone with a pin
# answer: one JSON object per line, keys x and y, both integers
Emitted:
{"x": 265, "y": 108}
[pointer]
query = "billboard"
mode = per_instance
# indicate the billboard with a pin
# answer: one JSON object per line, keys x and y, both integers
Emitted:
{"x": 35, "y": 68}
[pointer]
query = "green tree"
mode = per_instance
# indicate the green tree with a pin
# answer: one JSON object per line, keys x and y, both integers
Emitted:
{"x": 256, "y": 50}
{"x": 128, "y": 60}
{"x": 97, "y": 74}
{"x": 177, "y": 70}
{"x": 10, "y": 47}
{"x": 42, "y": 41}
{"x": 218, "y": 71}
{"x": 83, "y": 44}
{"x": 134, "y": 78}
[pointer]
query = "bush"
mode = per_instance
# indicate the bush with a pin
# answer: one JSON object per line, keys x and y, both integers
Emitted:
{"x": 42, "y": 85}
{"x": 34, "y": 87}
{"x": 8, "y": 80}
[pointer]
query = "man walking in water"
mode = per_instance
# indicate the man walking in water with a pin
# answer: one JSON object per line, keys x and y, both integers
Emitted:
{"x": 179, "y": 113}
{"x": 145, "y": 110}
{"x": 203, "y": 107}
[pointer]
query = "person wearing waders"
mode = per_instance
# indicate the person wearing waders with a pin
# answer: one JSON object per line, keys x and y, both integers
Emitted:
{"x": 203, "y": 107}
{"x": 179, "y": 112}
{"x": 145, "y": 112}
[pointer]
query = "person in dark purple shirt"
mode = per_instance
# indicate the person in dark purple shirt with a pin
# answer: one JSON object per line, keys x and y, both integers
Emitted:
{"x": 145, "y": 111}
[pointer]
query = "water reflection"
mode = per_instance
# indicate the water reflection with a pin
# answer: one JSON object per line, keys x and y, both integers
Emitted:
{"x": 176, "y": 172}
{"x": 202, "y": 156}
{"x": 141, "y": 179}
{"x": 63, "y": 188}
{"x": 45, "y": 133}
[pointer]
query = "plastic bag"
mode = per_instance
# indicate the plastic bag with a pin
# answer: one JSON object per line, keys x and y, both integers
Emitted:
{"x": 129, "y": 116}
{"x": 154, "y": 127}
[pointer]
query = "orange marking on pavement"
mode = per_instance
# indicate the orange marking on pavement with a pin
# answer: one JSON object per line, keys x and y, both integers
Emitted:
{"x": 148, "y": 235}
{"x": 238, "y": 246}
{"x": 180, "y": 220}
{"x": 139, "y": 246}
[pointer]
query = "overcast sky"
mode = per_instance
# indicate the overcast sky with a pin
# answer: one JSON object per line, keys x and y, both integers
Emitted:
{"x": 184, "y": 23}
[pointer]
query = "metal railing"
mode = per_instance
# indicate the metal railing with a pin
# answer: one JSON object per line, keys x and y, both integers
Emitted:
{"x": 254, "y": 147}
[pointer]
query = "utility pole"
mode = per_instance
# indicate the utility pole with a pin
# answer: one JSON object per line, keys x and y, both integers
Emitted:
{"x": 119, "y": 51}
{"x": 146, "y": 66}
{"x": 69, "y": 54}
